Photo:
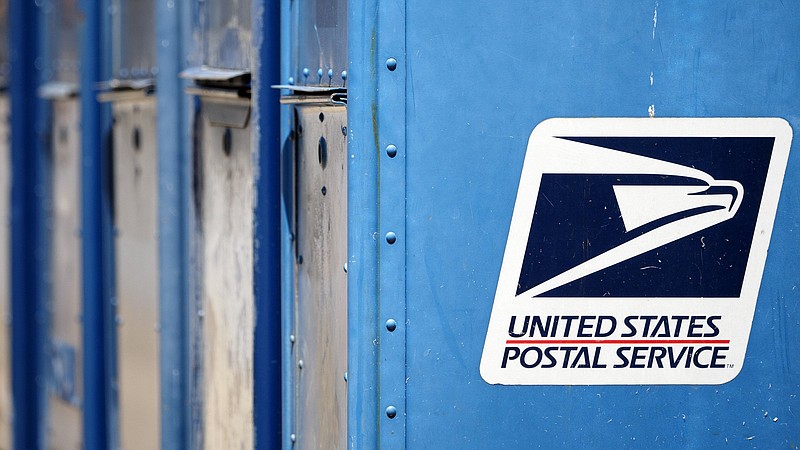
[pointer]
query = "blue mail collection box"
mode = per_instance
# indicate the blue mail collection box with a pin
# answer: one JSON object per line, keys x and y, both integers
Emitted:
{"x": 572, "y": 224}
{"x": 333, "y": 224}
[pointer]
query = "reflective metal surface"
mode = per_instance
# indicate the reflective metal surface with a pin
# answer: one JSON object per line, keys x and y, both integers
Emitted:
{"x": 136, "y": 247}
{"x": 65, "y": 393}
{"x": 225, "y": 194}
{"x": 223, "y": 33}
{"x": 321, "y": 301}
{"x": 133, "y": 38}
{"x": 320, "y": 42}
{"x": 5, "y": 284}
{"x": 5, "y": 66}
{"x": 62, "y": 20}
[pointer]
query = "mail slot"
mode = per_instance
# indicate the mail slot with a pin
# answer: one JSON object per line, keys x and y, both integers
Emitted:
{"x": 62, "y": 417}
{"x": 223, "y": 319}
{"x": 135, "y": 184}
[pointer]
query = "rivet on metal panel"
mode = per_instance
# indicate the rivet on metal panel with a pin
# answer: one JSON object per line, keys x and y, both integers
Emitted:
{"x": 319, "y": 74}
{"x": 391, "y": 412}
{"x": 227, "y": 142}
{"x": 391, "y": 150}
{"x": 300, "y": 259}
{"x": 344, "y": 75}
{"x": 391, "y": 238}
{"x": 391, "y": 64}
{"x": 300, "y": 364}
{"x": 345, "y": 377}
{"x": 291, "y": 80}
{"x": 344, "y": 131}
{"x": 391, "y": 325}
{"x": 293, "y": 438}
{"x": 324, "y": 190}
{"x": 330, "y": 75}
{"x": 345, "y": 267}
{"x": 291, "y": 338}
{"x": 321, "y": 117}
{"x": 306, "y": 72}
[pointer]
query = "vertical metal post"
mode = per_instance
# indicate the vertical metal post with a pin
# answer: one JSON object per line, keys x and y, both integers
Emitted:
{"x": 96, "y": 242}
{"x": 174, "y": 203}
{"x": 267, "y": 227}
{"x": 26, "y": 216}
{"x": 362, "y": 201}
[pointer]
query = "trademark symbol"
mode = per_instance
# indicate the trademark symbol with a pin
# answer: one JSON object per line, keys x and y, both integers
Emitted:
{"x": 730, "y": 366}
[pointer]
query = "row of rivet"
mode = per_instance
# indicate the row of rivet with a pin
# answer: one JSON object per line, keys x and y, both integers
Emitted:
{"x": 391, "y": 238}
{"x": 320, "y": 73}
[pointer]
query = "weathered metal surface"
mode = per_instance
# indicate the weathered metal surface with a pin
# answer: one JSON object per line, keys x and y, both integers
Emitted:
{"x": 320, "y": 42}
{"x": 225, "y": 193}
{"x": 5, "y": 282}
{"x": 321, "y": 278}
{"x": 224, "y": 33}
{"x": 133, "y": 38}
{"x": 66, "y": 387}
{"x": 135, "y": 210}
{"x": 62, "y": 22}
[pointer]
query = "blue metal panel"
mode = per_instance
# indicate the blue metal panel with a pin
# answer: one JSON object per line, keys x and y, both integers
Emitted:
{"x": 174, "y": 204}
{"x": 476, "y": 87}
{"x": 27, "y": 262}
{"x": 267, "y": 229}
{"x": 364, "y": 237}
{"x": 391, "y": 73}
{"x": 96, "y": 242}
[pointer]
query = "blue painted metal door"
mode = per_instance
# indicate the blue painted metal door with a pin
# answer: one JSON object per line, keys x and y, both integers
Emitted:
{"x": 457, "y": 89}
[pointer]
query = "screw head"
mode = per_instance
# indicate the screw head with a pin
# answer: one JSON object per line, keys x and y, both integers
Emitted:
{"x": 391, "y": 150}
{"x": 391, "y": 64}
{"x": 391, "y": 412}
{"x": 391, "y": 238}
{"x": 391, "y": 325}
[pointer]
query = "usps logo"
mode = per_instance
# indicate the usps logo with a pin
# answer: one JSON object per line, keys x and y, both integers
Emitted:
{"x": 636, "y": 251}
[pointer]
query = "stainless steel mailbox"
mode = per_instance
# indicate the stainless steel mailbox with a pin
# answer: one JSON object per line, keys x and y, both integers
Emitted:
{"x": 64, "y": 349}
{"x": 317, "y": 102}
{"x": 136, "y": 251}
{"x": 223, "y": 327}
{"x": 135, "y": 215}
{"x": 320, "y": 304}
{"x": 64, "y": 423}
